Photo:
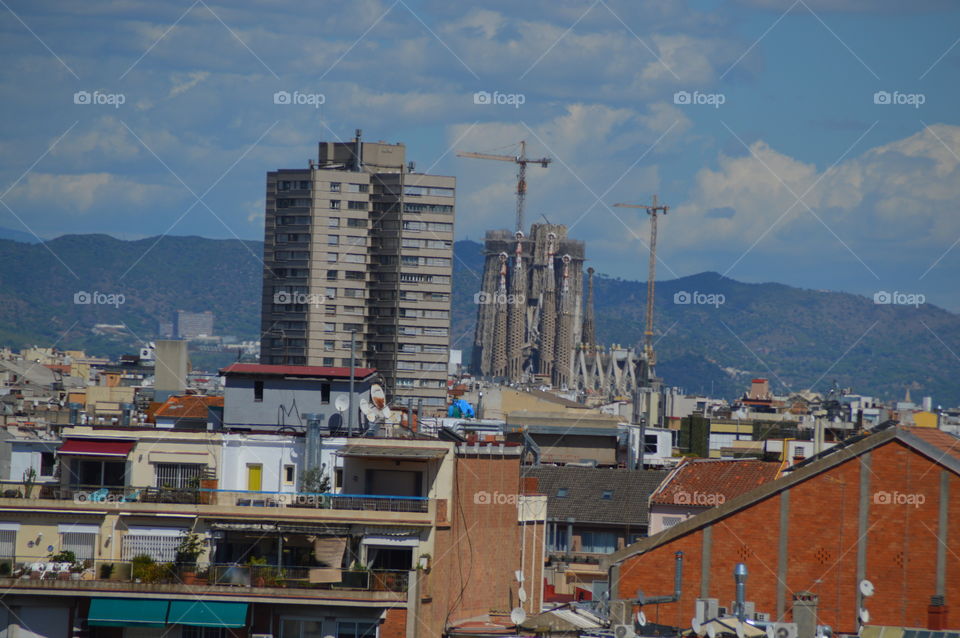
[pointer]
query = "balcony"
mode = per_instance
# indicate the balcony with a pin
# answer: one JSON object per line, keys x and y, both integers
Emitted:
{"x": 93, "y": 578}
{"x": 215, "y": 502}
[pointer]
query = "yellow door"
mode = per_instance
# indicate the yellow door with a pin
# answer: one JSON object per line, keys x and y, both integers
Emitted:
{"x": 254, "y": 477}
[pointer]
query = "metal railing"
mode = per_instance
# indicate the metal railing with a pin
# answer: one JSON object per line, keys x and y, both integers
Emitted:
{"x": 218, "y": 497}
{"x": 44, "y": 569}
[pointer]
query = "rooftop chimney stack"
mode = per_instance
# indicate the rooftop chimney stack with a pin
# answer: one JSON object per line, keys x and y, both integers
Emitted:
{"x": 740, "y": 577}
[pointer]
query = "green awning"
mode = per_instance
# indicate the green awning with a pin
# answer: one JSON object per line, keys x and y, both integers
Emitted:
{"x": 127, "y": 612}
{"x": 201, "y": 613}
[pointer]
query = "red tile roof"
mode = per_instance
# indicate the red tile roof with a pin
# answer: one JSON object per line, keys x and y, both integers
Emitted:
{"x": 258, "y": 369}
{"x": 948, "y": 444}
{"x": 708, "y": 482}
{"x": 187, "y": 407}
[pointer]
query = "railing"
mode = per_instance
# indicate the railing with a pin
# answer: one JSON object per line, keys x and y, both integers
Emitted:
{"x": 204, "y": 574}
{"x": 228, "y": 498}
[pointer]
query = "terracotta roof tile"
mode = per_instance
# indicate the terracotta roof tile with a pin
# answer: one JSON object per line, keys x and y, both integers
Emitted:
{"x": 187, "y": 407}
{"x": 729, "y": 478}
{"x": 297, "y": 371}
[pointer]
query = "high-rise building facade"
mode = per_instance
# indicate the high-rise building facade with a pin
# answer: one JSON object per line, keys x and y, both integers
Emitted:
{"x": 359, "y": 244}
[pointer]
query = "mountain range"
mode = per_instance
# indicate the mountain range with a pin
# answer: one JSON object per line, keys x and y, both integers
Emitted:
{"x": 713, "y": 334}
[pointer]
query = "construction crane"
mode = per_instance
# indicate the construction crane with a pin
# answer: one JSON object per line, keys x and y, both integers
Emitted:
{"x": 521, "y": 160}
{"x": 652, "y": 210}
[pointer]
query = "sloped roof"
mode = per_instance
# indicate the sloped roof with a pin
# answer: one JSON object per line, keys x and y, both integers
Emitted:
{"x": 629, "y": 492}
{"x": 724, "y": 478}
{"x": 187, "y": 407}
{"x": 938, "y": 446}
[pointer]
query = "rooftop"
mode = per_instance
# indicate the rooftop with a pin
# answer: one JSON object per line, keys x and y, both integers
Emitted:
{"x": 726, "y": 478}
{"x": 187, "y": 407}
{"x": 320, "y": 372}
{"x": 596, "y": 495}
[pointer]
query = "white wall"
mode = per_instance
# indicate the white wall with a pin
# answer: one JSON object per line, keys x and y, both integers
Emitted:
{"x": 273, "y": 452}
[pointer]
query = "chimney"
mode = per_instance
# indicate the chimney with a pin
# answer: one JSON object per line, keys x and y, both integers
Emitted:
{"x": 358, "y": 152}
{"x": 937, "y": 614}
{"x": 805, "y": 613}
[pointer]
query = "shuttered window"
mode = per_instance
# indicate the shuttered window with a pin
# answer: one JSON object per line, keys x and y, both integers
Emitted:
{"x": 8, "y": 543}
{"x": 82, "y": 544}
{"x": 162, "y": 549}
{"x": 179, "y": 475}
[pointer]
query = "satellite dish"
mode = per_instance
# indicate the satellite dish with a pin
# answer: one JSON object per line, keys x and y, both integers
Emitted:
{"x": 712, "y": 631}
{"x": 522, "y": 594}
{"x": 740, "y": 632}
{"x": 695, "y": 625}
{"x": 866, "y": 587}
{"x": 864, "y": 616}
{"x": 386, "y": 412}
{"x": 641, "y": 618}
{"x": 377, "y": 396}
{"x": 518, "y": 574}
{"x": 342, "y": 403}
{"x": 517, "y": 616}
{"x": 368, "y": 411}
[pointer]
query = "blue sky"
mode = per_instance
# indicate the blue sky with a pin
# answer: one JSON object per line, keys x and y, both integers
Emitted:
{"x": 798, "y": 176}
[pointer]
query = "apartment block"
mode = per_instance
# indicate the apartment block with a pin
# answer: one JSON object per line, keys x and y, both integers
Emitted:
{"x": 359, "y": 246}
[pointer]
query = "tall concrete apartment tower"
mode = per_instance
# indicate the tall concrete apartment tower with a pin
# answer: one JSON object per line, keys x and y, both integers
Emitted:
{"x": 359, "y": 242}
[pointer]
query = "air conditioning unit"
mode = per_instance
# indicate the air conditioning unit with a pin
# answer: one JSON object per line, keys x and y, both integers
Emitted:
{"x": 623, "y": 631}
{"x": 782, "y": 630}
{"x": 706, "y": 609}
{"x": 762, "y": 617}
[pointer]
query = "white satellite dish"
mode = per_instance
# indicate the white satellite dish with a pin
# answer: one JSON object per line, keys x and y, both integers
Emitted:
{"x": 518, "y": 615}
{"x": 695, "y": 625}
{"x": 641, "y": 618}
{"x": 866, "y": 587}
{"x": 518, "y": 574}
{"x": 740, "y": 632}
{"x": 368, "y": 411}
{"x": 386, "y": 412}
{"x": 377, "y": 396}
{"x": 864, "y": 616}
{"x": 522, "y": 594}
{"x": 712, "y": 631}
{"x": 342, "y": 403}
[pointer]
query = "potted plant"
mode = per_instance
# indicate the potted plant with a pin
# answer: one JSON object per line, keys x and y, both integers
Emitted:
{"x": 78, "y": 568}
{"x": 256, "y": 564}
{"x": 142, "y": 568}
{"x": 189, "y": 550}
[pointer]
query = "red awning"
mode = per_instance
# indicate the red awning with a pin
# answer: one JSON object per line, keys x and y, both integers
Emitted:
{"x": 97, "y": 447}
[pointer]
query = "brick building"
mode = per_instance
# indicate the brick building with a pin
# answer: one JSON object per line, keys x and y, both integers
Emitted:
{"x": 885, "y": 507}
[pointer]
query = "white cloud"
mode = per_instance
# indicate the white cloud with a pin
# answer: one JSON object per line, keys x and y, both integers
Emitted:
{"x": 79, "y": 193}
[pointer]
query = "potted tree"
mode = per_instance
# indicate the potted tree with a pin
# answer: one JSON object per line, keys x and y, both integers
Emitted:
{"x": 189, "y": 550}
{"x": 256, "y": 566}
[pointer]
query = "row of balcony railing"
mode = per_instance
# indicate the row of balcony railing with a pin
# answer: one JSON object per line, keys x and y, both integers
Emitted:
{"x": 101, "y": 574}
{"x": 121, "y": 495}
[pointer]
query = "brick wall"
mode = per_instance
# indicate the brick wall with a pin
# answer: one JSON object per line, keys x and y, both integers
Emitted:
{"x": 395, "y": 624}
{"x": 822, "y": 547}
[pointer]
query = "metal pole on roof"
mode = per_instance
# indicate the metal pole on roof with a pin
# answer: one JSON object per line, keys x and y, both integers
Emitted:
{"x": 353, "y": 363}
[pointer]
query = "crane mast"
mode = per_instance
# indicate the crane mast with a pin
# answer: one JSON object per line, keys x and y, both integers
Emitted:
{"x": 652, "y": 210}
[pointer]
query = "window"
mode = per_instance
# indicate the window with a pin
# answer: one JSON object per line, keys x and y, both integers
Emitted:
{"x": 297, "y": 628}
{"x": 670, "y": 521}
{"x": 333, "y": 240}
{"x": 79, "y": 540}
{"x": 354, "y": 275}
{"x": 598, "y": 542}
{"x": 329, "y": 345}
{"x": 332, "y": 258}
{"x": 557, "y": 538}
{"x": 178, "y": 475}
{"x": 289, "y": 474}
{"x": 8, "y": 541}
{"x": 190, "y": 631}
{"x": 158, "y": 543}
{"x": 329, "y": 327}
{"x": 563, "y": 492}
{"x": 333, "y": 222}
{"x": 334, "y": 187}
{"x": 358, "y": 188}
{"x": 258, "y": 391}
{"x": 328, "y": 361}
{"x": 325, "y": 393}
{"x": 47, "y": 463}
{"x": 330, "y": 293}
{"x": 356, "y": 223}
{"x": 357, "y": 205}
{"x": 335, "y": 204}
{"x": 354, "y": 259}
{"x": 332, "y": 275}
{"x": 607, "y": 495}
